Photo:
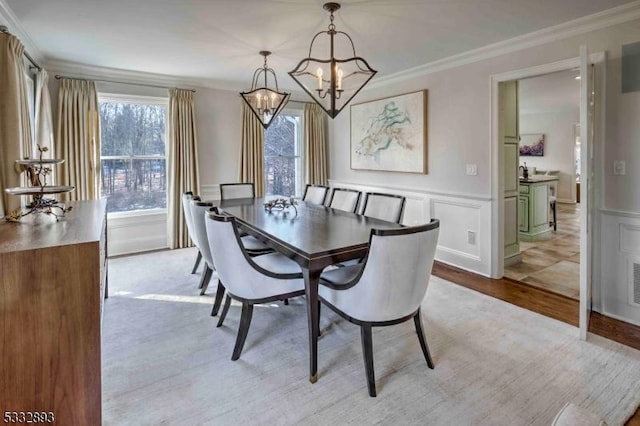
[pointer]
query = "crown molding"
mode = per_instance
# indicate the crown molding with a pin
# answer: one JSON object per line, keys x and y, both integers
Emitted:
{"x": 8, "y": 18}
{"x": 596, "y": 21}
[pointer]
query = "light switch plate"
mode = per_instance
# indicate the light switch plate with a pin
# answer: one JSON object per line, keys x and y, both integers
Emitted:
{"x": 472, "y": 170}
{"x": 619, "y": 168}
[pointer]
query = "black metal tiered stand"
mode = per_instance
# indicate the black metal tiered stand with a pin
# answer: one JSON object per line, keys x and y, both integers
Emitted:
{"x": 37, "y": 172}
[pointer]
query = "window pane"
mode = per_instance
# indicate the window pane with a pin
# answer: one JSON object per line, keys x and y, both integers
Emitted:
{"x": 132, "y": 129}
{"x": 281, "y": 156}
{"x": 129, "y": 130}
{"x": 131, "y": 184}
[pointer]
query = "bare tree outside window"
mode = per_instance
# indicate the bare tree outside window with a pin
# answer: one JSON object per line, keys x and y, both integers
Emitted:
{"x": 133, "y": 157}
{"x": 282, "y": 159}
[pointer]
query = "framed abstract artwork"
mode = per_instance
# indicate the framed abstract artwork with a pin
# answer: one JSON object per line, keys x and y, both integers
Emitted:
{"x": 532, "y": 145}
{"x": 390, "y": 134}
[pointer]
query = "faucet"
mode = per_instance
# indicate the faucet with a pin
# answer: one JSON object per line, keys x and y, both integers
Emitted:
{"x": 525, "y": 171}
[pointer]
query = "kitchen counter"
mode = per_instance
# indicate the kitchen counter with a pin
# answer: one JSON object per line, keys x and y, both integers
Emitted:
{"x": 539, "y": 178}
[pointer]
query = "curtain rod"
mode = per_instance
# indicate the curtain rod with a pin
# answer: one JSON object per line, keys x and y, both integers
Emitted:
{"x": 58, "y": 77}
{"x": 5, "y": 30}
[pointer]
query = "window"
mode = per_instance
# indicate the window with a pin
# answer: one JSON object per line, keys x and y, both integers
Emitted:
{"x": 283, "y": 155}
{"x": 133, "y": 159}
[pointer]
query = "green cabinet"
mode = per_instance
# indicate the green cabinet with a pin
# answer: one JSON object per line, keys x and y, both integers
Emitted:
{"x": 533, "y": 208}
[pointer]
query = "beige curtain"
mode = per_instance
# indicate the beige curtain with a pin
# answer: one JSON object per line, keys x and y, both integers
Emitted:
{"x": 183, "y": 163}
{"x": 315, "y": 144}
{"x": 15, "y": 122}
{"x": 78, "y": 139}
{"x": 44, "y": 122}
{"x": 252, "y": 151}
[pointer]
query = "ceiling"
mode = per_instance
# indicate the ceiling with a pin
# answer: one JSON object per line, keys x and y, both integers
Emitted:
{"x": 550, "y": 93}
{"x": 217, "y": 41}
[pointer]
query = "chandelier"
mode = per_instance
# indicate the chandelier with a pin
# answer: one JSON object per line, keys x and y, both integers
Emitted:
{"x": 265, "y": 103}
{"x": 333, "y": 82}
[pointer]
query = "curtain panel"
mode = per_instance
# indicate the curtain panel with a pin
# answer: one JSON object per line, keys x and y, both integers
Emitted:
{"x": 78, "y": 139}
{"x": 315, "y": 144}
{"x": 252, "y": 151}
{"x": 15, "y": 122}
{"x": 44, "y": 122}
{"x": 183, "y": 163}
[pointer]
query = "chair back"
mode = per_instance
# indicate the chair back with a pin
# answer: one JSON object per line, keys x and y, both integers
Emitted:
{"x": 315, "y": 194}
{"x": 396, "y": 273}
{"x": 240, "y": 275}
{"x": 387, "y": 207}
{"x": 186, "y": 210}
{"x": 231, "y": 191}
{"x": 345, "y": 199}
{"x": 198, "y": 210}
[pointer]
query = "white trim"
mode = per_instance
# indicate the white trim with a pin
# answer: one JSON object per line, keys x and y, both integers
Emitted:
{"x": 620, "y": 213}
{"x": 16, "y": 28}
{"x": 620, "y": 318}
{"x": 463, "y": 195}
{"x": 460, "y": 253}
{"x": 604, "y": 19}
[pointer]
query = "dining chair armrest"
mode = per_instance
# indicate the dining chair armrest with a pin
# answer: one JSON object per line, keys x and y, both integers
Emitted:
{"x": 342, "y": 278}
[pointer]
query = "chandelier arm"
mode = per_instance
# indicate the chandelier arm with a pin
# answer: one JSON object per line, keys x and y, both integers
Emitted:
{"x": 254, "y": 80}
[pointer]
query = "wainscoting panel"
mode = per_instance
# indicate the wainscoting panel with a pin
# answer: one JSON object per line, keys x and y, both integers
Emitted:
{"x": 620, "y": 255}
{"x": 137, "y": 232}
{"x": 465, "y": 238}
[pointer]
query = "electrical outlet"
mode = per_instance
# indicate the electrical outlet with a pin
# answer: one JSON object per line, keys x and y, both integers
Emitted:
{"x": 619, "y": 168}
{"x": 471, "y": 237}
{"x": 472, "y": 170}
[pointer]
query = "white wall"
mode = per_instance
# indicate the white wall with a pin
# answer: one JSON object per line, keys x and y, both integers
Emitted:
{"x": 558, "y": 146}
{"x": 459, "y": 134}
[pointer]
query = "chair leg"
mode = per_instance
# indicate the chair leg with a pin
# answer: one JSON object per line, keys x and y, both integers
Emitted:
{"x": 423, "y": 340}
{"x": 206, "y": 277}
{"x": 203, "y": 277}
{"x": 555, "y": 221}
{"x": 218, "y": 300}
{"x": 225, "y": 309}
{"x": 367, "y": 351}
{"x": 245, "y": 322}
{"x": 319, "y": 306}
{"x": 198, "y": 259}
{"x": 286, "y": 302}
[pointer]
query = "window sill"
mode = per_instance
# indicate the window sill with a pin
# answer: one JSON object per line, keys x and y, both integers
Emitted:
{"x": 136, "y": 213}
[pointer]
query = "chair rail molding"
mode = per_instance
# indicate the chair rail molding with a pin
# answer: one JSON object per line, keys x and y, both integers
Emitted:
{"x": 460, "y": 215}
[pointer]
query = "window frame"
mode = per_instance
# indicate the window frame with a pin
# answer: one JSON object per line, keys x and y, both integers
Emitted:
{"x": 299, "y": 155}
{"x": 139, "y": 100}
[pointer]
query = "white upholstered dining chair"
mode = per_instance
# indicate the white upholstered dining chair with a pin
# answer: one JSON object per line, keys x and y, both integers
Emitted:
{"x": 387, "y": 207}
{"x": 251, "y": 281}
{"x": 186, "y": 210}
{"x": 344, "y": 199}
{"x": 315, "y": 194}
{"x": 232, "y": 191}
{"x": 387, "y": 288}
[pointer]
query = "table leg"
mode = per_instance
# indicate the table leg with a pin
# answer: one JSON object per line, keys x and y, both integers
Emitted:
{"x": 311, "y": 279}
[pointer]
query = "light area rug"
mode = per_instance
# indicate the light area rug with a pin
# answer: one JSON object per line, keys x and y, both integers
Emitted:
{"x": 165, "y": 362}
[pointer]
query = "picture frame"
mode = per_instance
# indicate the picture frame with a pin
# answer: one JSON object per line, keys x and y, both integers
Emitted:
{"x": 532, "y": 145}
{"x": 390, "y": 134}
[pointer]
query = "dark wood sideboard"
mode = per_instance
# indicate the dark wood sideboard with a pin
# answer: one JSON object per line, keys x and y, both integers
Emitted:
{"x": 52, "y": 286}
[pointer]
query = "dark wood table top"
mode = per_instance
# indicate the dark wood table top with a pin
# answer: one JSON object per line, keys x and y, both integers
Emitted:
{"x": 316, "y": 233}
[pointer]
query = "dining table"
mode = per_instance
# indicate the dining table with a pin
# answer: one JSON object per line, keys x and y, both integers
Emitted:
{"x": 313, "y": 236}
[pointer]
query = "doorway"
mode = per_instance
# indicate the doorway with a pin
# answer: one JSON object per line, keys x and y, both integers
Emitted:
{"x": 548, "y": 244}
{"x": 505, "y": 173}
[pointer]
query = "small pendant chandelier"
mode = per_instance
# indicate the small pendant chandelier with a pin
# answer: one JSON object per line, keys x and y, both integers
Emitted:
{"x": 333, "y": 82}
{"x": 265, "y": 103}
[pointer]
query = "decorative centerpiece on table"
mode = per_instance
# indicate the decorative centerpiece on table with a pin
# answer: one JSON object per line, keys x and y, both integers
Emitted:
{"x": 281, "y": 204}
{"x": 37, "y": 172}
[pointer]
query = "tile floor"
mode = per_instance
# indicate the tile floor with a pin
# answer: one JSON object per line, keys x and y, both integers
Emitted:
{"x": 553, "y": 264}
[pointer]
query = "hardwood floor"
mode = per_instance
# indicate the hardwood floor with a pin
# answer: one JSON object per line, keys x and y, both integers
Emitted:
{"x": 546, "y": 303}
{"x": 553, "y": 264}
